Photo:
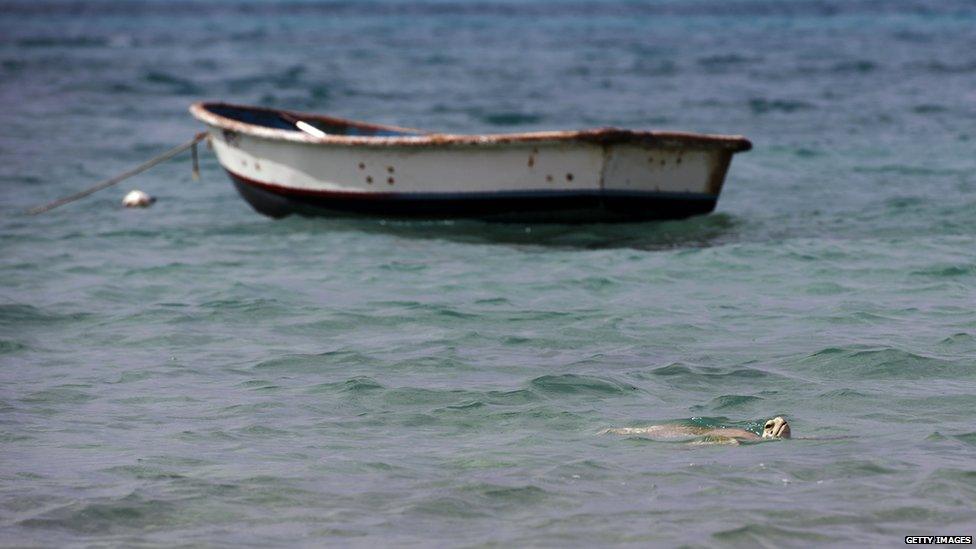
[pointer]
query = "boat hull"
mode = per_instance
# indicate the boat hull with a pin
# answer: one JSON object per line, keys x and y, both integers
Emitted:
{"x": 584, "y": 176}
{"x": 561, "y": 207}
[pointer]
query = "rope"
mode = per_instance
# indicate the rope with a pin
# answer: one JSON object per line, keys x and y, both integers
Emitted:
{"x": 196, "y": 161}
{"x": 191, "y": 144}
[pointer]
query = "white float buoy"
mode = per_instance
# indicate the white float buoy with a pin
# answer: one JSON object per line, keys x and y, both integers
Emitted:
{"x": 191, "y": 144}
{"x": 137, "y": 199}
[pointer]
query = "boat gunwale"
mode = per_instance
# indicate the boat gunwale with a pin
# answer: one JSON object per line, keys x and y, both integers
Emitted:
{"x": 600, "y": 136}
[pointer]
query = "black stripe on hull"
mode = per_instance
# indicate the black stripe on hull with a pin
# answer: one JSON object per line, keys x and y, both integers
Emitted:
{"x": 277, "y": 202}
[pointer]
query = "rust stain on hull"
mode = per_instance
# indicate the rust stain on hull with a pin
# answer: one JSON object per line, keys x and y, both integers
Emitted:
{"x": 719, "y": 169}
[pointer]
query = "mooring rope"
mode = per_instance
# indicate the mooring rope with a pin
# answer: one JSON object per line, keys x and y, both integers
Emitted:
{"x": 191, "y": 144}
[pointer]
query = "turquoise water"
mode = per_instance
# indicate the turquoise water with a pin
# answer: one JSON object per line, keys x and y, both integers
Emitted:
{"x": 196, "y": 373}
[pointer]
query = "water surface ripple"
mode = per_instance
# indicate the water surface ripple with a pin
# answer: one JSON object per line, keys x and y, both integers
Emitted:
{"x": 196, "y": 373}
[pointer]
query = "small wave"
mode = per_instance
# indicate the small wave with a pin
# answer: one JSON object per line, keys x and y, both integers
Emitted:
{"x": 143, "y": 472}
{"x": 306, "y": 363}
{"x": 127, "y": 514}
{"x": 913, "y": 36}
{"x": 63, "y": 42}
{"x": 646, "y": 67}
{"x": 905, "y": 169}
{"x": 9, "y": 346}
{"x": 483, "y": 499}
{"x": 940, "y": 67}
{"x": 493, "y": 301}
{"x": 259, "y": 385}
{"x": 464, "y": 406}
{"x": 882, "y": 363}
{"x": 319, "y": 94}
{"x": 436, "y": 309}
{"x": 903, "y": 202}
{"x": 908, "y": 514}
{"x": 764, "y": 106}
{"x": 950, "y": 484}
{"x": 927, "y": 108}
{"x": 429, "y": 362}
{"x": 960, "y": 338}
{"x": 452, "y": 507}
{"x": 595, "y": 283}
{"x": 514, "y": 494}
{"x": 414, "y": 396}
{"x": 405, "y": 266}
{"x": 843, "y": 394}
{"x": 173, "y": 84}
{"x": 481, "y": 462}
{"x": 287, "y": 78}
{"x": 715, "y": 61}
{"x": 857, "y": 67}
{"x": 248, "y": 305}
{"x": 245, "y": 410}
{"x": 726, "y": 402}
{"x": 262, "y": 431}
{"x": 12, "y": 438}
{"x": 17, "y": 314}
{"x": 946, "y": 270}
{"x": 765, "y": 535}
{"x": 804, "y": 152}
{"x": 511, "y": 398}
{"x": 825, "y": 288}
{"x": 66, "y": 394}
{"x": 860, "y": 468}
{"x": 580, "y": 384}
{"x": 682, "y": 370}
{"x": 379, "y": 466}
{"x": 510, "y": 118}
{"x": 360, "y": 384}
{"x": 14, "y": 66}
{"x": 131, "y": 376}
{"x": 967, "y": 438}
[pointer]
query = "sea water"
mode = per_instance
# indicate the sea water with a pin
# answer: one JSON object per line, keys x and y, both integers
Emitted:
{"x": 196, "y": 373}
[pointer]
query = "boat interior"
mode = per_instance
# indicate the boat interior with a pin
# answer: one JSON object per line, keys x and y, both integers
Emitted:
{"x": 240, "y": 117}
{"x": 284, "y": 120}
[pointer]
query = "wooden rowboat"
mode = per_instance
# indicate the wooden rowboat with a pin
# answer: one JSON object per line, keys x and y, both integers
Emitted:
{"x": 285, "y": 162}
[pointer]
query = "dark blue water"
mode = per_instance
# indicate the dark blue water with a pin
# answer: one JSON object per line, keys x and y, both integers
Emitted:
{"x": 196, "y": 373}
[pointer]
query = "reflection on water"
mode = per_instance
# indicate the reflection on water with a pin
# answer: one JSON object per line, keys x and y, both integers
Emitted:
{"x": 695, "y": 232}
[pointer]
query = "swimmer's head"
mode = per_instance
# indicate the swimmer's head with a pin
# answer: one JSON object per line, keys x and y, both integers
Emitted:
{"x": 776, "y": 428}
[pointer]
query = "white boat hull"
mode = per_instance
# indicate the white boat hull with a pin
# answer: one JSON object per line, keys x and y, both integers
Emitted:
{"x": 582, "y": 176}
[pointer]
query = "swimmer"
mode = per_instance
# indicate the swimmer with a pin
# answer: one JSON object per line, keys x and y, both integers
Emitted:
{"x": 776, "y": 428}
